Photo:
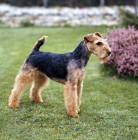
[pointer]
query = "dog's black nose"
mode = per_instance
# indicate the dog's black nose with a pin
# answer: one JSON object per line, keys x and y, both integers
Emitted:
{"x": 109, "y": 52}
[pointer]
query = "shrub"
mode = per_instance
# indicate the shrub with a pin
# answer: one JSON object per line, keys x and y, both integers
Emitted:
{"x": 128, "y": 18}
{"x": 26, "y": 24}
{"x": 124, "y": 45}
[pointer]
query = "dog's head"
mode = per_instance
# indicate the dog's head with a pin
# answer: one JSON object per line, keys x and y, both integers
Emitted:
{"x": 98, "y": 46}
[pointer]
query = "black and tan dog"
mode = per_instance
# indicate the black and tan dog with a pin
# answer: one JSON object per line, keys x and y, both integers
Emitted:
{"x": 68, "y": 69}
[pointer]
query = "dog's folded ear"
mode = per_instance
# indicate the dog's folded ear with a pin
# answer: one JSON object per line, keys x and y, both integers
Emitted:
{"x": 88, "y": 38}
{"x": 98, "y": 34}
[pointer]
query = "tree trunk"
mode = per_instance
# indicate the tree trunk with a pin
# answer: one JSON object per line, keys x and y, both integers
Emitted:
{"x": 102, "y": 2}
{"x": 136, "y": 6}
{"x": 45, "y": 3}
{"x": 70, "y": 3}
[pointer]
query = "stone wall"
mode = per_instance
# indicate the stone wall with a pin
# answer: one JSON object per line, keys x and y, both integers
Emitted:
{"x": 59, "y": 16}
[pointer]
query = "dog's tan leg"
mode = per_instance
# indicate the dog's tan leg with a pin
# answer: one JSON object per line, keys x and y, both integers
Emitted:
{"x": 21, "y": 81}
{"x": 79, "y": 93}
{"x": 70, "y": 96}
{"x": 40, "y": 81}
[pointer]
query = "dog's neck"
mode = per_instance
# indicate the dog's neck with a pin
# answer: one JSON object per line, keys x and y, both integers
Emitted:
{"x": 81, "y": 52}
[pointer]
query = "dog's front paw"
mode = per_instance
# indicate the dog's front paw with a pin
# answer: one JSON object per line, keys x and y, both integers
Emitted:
{"x": 73, "y": 114}
{"x": 13, "y": 105}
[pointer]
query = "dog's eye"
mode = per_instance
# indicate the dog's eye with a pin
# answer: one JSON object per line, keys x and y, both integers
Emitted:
{"x": 99, "y": 43}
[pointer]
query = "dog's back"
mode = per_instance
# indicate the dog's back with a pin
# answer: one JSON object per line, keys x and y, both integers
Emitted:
{"x": 54, "y": 65}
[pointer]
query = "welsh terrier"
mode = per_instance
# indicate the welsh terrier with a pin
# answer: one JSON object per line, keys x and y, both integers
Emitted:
{"x": 68, "y": 69}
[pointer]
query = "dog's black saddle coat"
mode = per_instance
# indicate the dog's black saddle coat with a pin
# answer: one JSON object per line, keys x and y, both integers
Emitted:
{"x": 55, "y": 65}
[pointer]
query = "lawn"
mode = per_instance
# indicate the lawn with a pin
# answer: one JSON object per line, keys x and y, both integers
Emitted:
{"x": 109, "y": 109}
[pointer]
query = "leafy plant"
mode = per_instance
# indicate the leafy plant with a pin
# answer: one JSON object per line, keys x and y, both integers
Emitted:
{"x": 27, "y": 24}
{"x": 128, "y": 18}
{"x": 124, "y": 45}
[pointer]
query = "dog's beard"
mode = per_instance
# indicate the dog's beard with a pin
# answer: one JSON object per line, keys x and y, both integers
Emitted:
{"x": 104, "y": 59}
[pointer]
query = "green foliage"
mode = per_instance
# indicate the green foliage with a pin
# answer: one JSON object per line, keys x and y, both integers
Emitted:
{"x": 128, "y": 18}
{"x": 26, "y": 24}
{"x": 109, "y": 109}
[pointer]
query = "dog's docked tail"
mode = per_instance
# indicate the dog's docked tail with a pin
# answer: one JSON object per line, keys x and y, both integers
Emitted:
{"x": 39, "y": 43}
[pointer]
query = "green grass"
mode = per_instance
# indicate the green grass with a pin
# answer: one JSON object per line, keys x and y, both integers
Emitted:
{"x": 109, "y": 109}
